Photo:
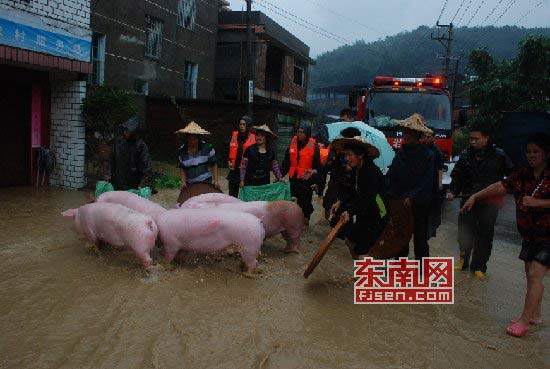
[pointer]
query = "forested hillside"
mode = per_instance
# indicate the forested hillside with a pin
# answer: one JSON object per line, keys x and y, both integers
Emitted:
{"x": 412, "y": 54}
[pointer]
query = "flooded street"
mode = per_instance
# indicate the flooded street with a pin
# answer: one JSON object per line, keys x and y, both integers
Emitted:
{"x": 64, "y": 306}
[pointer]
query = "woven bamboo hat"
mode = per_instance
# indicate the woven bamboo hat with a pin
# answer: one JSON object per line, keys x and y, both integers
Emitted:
{"x": 415, "y": 122}
{"x": 340, "y": 143}
{"x": 192, "y": 129}
{"x": 264, "y": 128}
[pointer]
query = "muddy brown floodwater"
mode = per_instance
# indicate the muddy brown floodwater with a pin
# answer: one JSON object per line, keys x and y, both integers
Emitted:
{"x": 64, "y": 306}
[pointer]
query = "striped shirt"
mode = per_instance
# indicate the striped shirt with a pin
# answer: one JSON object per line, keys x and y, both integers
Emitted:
{"x": 197, "y": 165}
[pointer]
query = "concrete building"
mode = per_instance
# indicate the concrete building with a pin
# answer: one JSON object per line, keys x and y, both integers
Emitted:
{"x": 155, "y": 48}
{"x": 281, "y": 63}
{"x": 44, "y": 58}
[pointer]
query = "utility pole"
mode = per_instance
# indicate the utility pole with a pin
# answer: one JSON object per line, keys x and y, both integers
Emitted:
{"x": 249, "y": 60}
{"x": 446, "y": 40}
{"x": 455, "y": 76}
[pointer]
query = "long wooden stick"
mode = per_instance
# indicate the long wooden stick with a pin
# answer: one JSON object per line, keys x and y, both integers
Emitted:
{"x": 324, "y": 247}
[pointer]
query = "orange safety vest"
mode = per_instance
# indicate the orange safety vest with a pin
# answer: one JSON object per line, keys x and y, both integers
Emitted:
{"x": 323, "y": 154}
{"x": 234, "y": 146}
{"x": 305, "y": 162}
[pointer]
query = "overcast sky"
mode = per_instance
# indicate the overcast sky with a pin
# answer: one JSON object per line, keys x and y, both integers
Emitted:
{"x": 349, "y": 20}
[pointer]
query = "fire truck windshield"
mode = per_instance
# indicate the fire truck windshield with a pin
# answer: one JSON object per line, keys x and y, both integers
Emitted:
{"x": 382, "y": 107}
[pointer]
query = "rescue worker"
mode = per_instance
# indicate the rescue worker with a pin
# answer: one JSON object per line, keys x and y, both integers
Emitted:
{"x": 130, "y": 163}
{"x": 302, "y": 155}
{"x": 478, "y": 166}
{"x": 240, "y": 140}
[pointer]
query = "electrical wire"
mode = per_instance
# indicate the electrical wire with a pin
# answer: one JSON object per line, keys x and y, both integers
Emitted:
{"x": 458, "y": 10}
{"x": 442, "y": 10}
{"x": 475, "y": 13}
{"x": 510, "y": 4}
{"x": 464, "y": 12}
{"x": 528, "y": 13}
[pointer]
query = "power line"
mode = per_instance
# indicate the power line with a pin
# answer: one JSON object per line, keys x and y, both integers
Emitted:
{"x": 344, "y": 17}
{"x": 510, "y": 4}
{"x": 301, "y": 19}
{"x": 475, "y": 13}
{"x": 319, "y": 31}
{"x": 458, "y": 10}
{"x": 476, "y": 30}
{"x": 528, "y": 13}
{"x": 464, "y": 12}
{"x": 442, "y": 10}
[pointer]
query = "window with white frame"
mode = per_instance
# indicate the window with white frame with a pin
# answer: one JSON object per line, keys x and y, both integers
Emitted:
{"x": 98, "y": 59}
{"x": 141, "y": 87}
{"x": 153, "y": 37}
{"x": 299, "y": 73}
{"x": 190, "y": 80}
{"x": 187, "y": 10}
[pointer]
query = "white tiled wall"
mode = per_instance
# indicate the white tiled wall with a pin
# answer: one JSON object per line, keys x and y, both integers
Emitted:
{"x": 74, "y": 12}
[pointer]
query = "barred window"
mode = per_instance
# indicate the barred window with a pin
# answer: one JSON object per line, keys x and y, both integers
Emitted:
{"x": 187, "y": 10}
{"x": 299, "y": 73}
{"x": 190, "y": 80}
{"x": 153, "y": 37}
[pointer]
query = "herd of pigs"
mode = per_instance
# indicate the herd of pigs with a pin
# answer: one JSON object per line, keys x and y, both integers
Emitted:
{"x": 204, "y": 224}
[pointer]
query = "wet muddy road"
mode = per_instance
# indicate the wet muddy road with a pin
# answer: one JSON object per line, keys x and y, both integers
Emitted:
{"x": 64, "y": 306}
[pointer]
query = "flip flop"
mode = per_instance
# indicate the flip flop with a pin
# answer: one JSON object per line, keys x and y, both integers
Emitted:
{"x": 517, "y": 330}
{"x": 532, "y": 321}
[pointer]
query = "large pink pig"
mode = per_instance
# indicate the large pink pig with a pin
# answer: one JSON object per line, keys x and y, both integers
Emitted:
{"x": 118, "y": 226}
{"x": 278, "y": 216}
{"x": 210, "y": 198}
{"x": 132, "y": 201}
{"x": 208, "y": 231}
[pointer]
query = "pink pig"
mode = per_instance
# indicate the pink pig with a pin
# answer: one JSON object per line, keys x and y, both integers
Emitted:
{"x": 132, "y": 201}
{"x": 278, "y": 216}
{"x": 211, "y": 199}
{"x": 118, "y": 226}
{"x": 209, "y": 231}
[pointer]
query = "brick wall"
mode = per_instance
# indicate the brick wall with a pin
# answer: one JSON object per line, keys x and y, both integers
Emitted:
{"x": 68, "y": 133}
{"x": 73, "y": 12}
{"x": 289, "y": 88}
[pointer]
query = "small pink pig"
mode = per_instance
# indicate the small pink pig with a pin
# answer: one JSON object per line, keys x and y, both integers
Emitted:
{"x": 211, "y": 199}
{"x": 132, "y": 201}
{"x": 118, "y": 226}
{"x": 278, "y": 216}
{"x": 208, "y": 231}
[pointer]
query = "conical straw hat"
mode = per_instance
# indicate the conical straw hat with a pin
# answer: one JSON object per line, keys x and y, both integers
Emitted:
{"x": 193, "y": 129}
{"x": 416, "y": 122}
{"x": 264, "y": 128}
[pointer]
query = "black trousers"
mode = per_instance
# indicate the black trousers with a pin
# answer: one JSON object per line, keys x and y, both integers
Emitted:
{"x": 302, "y": 191}
{"x": 233, "y": 181}
{"x": 421, "y": 221}
{"x": 476, "y": 229}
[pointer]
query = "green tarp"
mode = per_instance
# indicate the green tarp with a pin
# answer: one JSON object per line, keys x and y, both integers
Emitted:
{"x": 103, "y": 186}
{"x": 270, "y": 192}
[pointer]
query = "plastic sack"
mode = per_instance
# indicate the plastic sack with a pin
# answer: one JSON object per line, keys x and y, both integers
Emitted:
{"x": 270, "y": 192}
{"x": 102, "y": 186}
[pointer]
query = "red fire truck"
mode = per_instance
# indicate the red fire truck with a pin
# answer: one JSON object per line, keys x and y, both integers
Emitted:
{"x": 397, "y": 98}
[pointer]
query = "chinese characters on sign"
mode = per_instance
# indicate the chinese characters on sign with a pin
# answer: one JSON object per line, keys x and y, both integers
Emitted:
{"x": 47, "y": 40}
{"x": 404, "y": 281}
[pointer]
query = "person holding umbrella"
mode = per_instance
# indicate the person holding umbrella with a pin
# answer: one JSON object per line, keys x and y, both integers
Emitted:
{"x": 196, "y": 158}
{"x": 259, "y": 159}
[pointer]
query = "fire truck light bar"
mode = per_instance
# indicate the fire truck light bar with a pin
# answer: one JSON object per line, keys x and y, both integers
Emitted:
{"x": 419, "y": 82}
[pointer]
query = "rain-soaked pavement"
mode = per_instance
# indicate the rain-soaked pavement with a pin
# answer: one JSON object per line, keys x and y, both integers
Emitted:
{"x": 64, "y": 306}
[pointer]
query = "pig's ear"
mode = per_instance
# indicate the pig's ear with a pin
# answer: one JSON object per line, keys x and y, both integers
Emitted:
{"x": 69, "y": 213}
{"x": 178, "y": 205}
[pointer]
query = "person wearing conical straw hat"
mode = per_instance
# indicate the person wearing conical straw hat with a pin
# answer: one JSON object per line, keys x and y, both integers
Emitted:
{"x": 259, "y": 159}
{"x": 196, "y": 158}
{"x": 411, "y": 178}
{"x": 359, "y": 198}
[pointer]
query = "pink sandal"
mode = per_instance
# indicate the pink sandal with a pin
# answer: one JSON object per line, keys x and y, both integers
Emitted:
{"x": 532, "y": 321}
{"x": 517, "y": 330}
